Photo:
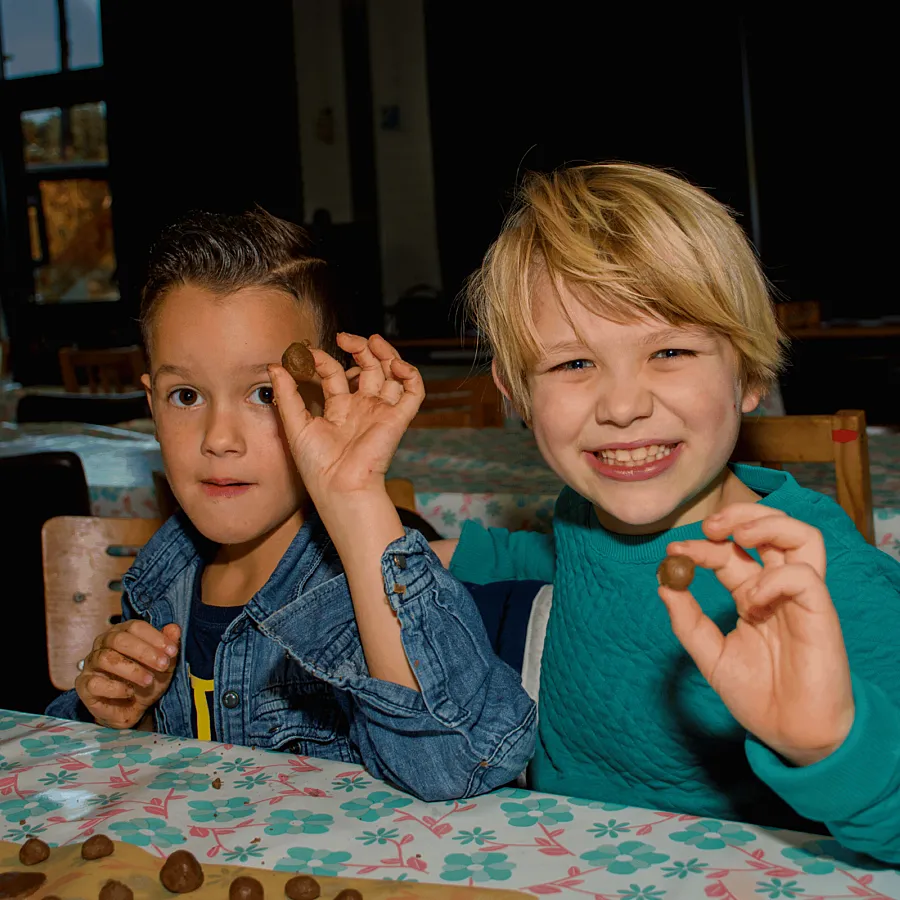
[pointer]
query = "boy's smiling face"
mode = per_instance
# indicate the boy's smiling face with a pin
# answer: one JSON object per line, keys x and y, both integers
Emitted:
{"x": 222, "y": 442}
{"x": 639, "y": 418}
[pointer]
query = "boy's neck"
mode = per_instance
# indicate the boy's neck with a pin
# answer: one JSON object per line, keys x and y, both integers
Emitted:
{"x": 238, "y": 571}
{"x": 727, "y": 488}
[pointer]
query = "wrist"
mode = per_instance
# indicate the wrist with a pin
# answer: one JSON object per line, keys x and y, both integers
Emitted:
{"x": 808, "y": 756}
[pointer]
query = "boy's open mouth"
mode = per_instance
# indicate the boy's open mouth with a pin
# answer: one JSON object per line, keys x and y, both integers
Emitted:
{"x": 628, "y": 458}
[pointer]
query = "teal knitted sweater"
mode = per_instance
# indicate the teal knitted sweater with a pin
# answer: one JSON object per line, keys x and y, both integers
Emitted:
{"x": 626, "y": 717}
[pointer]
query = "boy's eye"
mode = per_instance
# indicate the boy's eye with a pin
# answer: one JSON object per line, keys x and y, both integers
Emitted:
{"x": 184, "y": 397}
{"x": 672, "y": 354}
{"x": 575, "y": 365}
{"x": 263, "y": 396}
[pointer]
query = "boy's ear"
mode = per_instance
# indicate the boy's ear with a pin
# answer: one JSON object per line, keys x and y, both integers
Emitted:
{"x": 751, "y": 399}
{"x": 499, "y": 381}
{"x": 148, "y": 390}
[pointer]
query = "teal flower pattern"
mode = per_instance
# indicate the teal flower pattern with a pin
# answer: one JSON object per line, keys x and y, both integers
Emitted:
{"x": 249, "y": 782}
{"x": 634, "y": 892}
{"x": 823, "y": 856}
{"x": 144, "y": 832}
{"x": 230, "y": 810}
{"x": 596, "y": 804}
{"x": 8, "y": 766}
{"x": 314, "y": 862}
{"x": 376, "y": 806}
{"x": 683, "y": 869}
{"x": 350, "y": 783}
{"x": 25, "y": 808}
{"x": 57, "y": 779}
{"x": 612, "y": 829}
{"x": 106, "y": 799}
{"x": 479, "y": 867}
{"x": 777, "y": 888}
{"x": 187, "y": 757}
{"x": 538, "y": 811}
{"x": 244, "y": 854}
{"x": 50, "y": 745}
{"x": 125, "y": 755}
{"x": 238, "y": 765}
{"x": 708, "y": 834}
{"x": 476, "y": 836}
{"x": 23, "y": 832}
{"x": 298, "y": 821}
{"x": 381, "y": 836}
{"x": 180, "y": 781}
{"x": 625, "y": 858}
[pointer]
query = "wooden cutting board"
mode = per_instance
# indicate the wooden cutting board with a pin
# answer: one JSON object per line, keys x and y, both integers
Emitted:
{"x": 70, "y": 877}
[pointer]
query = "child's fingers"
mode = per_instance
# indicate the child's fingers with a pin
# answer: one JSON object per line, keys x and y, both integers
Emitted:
{"x": 103, "y": 687}
{"x": 129, "y": 645}
{"x": 111, "y": 662}
{"x": 413, "y": 388}
{"x": 146, "y": 632}
{"x": 720, "y": 525}
{"x": 371, "y": 378}
{"x": 798, "y": 583}
{"x": 732, "y": 565}
{"x": 803, "y": 542}
{"x": 698, "y": 634}
{"x": 172, "y": 633}
{"x": 291, "y": 408}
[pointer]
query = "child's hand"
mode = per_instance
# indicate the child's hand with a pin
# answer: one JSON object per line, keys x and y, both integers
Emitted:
{"x": 128, "y": 670}
{"x": 783, "y": 671}
{"x": 349, "y": 448}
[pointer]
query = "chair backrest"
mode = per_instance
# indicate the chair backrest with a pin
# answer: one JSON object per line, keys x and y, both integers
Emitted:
{"x": 84, "y": 560}
{"x": 472, "y": 402}
{"x": 111, "y": 371}
{"x": 96, "y": 409}
{"x": 839, "y": 439}
{"x": 34, "y": 487}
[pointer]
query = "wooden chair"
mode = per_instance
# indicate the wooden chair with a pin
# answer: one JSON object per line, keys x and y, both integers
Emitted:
{"x": 839, "y": 439}
{"x": 84, "y": 560}
{"x": 472, "y": 402}
{"x": 112, "y": 371}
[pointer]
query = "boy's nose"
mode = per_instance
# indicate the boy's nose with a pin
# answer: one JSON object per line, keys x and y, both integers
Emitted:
{"x": 622, "y": 400}
{"x": 223, "y": 434}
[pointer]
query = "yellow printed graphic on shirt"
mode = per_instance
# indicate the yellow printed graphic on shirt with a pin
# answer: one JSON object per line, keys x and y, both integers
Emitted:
{"x": 200, "y": 688}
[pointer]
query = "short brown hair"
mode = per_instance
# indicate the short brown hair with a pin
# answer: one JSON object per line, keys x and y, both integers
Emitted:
{"x": 224, "y": 253}
{"x": 631, "y": 241}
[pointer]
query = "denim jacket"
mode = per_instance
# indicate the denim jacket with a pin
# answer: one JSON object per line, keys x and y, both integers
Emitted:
{"x": 290, "y": 673}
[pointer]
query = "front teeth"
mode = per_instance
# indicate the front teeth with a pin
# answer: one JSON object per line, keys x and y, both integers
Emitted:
{"x": 643, "y": 455}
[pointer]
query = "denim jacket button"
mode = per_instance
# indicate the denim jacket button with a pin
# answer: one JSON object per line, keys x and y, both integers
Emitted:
{"x": 230, "y": 699}
{"x": 400, "y": 561}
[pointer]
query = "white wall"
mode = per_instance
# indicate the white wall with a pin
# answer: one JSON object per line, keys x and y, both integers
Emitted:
{"x": 320, "y": 79}
{"x": 405, "y": 177}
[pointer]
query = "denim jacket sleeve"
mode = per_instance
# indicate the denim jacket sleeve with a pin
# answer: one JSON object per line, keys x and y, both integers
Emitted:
{"x": 472, "y": 727}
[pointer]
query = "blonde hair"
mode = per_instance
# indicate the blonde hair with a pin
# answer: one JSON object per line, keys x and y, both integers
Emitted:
{"x": 629, "y": 241}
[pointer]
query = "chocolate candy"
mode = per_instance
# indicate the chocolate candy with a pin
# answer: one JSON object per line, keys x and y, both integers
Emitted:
{"x": 20, "y": 884}
{"x": 302, "y": 888}
{"x": 349, "y": 894}
{"x": 33, "y": 851}
{"x": 245, "y": 888}
{"x": 676, "y": 572}
{"x": 97, "y": 847}
{"x": 115, "y": 890}
{"x": 216, "y": 784}
{"x": 181, "y": 873}
{"x": 299, "y": 361}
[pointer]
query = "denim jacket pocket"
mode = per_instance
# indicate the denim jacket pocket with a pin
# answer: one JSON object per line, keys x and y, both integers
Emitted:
{"x": 295, "y": 711}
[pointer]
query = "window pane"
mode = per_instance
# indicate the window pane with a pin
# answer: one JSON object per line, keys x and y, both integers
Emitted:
{"x": 83, "y": 19}
{"x": 73, "y": 136}
{"x": 42, "y": 137}
{"x": 81, "y": 260}
{"x": 30, "y": 37}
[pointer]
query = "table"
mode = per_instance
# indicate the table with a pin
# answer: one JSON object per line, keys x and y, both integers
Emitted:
{"x": 495, "y": 476}
{"x": 65, "y": 780}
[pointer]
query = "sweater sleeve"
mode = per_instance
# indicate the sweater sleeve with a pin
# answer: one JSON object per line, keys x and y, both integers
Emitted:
{"x": 855, "y": 792}
{"x": 486, "y": 555}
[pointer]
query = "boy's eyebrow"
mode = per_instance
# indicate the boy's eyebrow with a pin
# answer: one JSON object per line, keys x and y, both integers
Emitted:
{"x": 664, "y": 335}
{"x": 181, "y": 372}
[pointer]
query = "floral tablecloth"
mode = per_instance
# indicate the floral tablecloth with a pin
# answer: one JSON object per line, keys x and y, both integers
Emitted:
{"x": 64, "y": 781}
{"x": 495, "y": 476}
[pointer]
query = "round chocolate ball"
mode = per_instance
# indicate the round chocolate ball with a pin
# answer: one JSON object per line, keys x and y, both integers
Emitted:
{"x": 302, "y": 887}
{"x": 115, "y": 890}
{"x": 676, "y": 572}
{"x": 299, "y": 362}
{"x": 96, "y": 847}
{"x": 33, "y": 851}
{"x": 245, "y": 888}
{"x": 181, "y": 873}
{"x": 349, "y": 894}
